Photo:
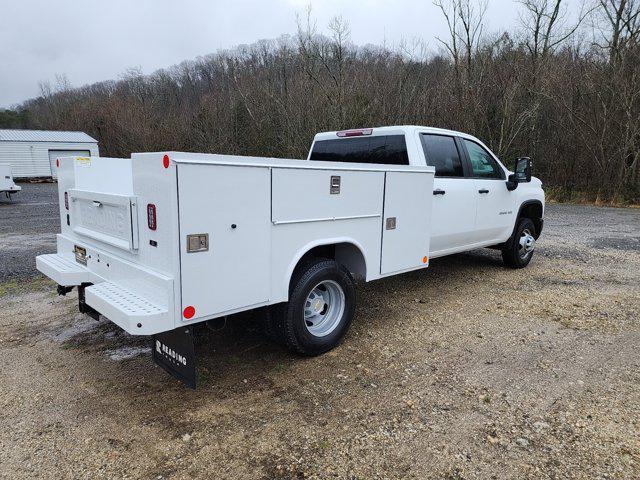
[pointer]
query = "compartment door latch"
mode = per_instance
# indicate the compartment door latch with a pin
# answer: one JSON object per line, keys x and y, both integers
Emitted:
{"x": 198, "y": 242}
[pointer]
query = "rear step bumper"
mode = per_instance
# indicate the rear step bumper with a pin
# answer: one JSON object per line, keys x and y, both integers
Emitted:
{"x": 62, "y": 270}
{"x": 126, "y": 308}
{"x": 135, "y": 314}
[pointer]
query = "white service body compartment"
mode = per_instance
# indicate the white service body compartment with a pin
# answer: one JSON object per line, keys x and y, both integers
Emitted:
{"x": 407, "y": 213}
{"x": 231, "y": 205}
{"x": 163, "y": 240}
{"x": 128, "y": 272}
{"x": 304, "y": 195}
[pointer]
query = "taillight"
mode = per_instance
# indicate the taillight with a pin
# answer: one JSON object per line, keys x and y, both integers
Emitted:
{"x": 355, "y": 133}
{"x": 151, "y": 216}
{"x": 66, "y": 200}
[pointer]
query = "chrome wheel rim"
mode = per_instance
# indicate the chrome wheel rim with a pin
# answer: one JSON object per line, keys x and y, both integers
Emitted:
{"x": 324, "y": 308}
{"x": 527, "y": 244}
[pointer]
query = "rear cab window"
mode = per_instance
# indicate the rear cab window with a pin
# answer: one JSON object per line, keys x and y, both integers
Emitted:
{"x": 379, "y": 149}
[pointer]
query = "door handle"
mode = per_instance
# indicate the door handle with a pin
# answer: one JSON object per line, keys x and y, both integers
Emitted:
{"x": 483, "y": 190}
{"x": 439, "y": 192}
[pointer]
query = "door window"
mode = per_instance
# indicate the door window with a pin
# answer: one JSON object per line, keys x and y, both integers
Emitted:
{"x": 441, "y": 152}
{"x": 483, "y": 165}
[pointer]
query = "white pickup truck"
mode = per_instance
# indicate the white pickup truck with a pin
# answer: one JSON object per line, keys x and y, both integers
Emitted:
{"x": 163, "y": 241}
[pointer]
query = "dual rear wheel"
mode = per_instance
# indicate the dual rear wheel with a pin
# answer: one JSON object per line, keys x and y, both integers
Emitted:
{"x": 321, "y": 307}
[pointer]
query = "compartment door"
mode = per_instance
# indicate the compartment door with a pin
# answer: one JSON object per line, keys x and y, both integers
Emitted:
{"x": 108, "y": 218}
{"x": 406, "y": 221}
{"x": 229, "y": 209}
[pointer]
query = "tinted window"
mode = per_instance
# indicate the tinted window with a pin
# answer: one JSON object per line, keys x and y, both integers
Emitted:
{"x": 389, "y": 149}
{"x": 483, "y": 164}
{"x": 442, "y": 153}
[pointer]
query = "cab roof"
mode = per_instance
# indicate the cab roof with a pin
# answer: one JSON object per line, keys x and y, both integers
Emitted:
{"x": 392, "y": 130}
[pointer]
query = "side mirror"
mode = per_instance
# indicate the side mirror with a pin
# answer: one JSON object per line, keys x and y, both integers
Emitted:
{"x": 523, "y": 170}
{"x": 522, "y": 175}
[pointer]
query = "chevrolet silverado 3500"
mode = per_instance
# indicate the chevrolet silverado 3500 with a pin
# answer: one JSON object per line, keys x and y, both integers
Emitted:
{"x": 163, "y": 241}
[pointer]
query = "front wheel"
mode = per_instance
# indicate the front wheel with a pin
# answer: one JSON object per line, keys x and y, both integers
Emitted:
{"x": 518, "y": 251}
{"x": 320, "y": 309}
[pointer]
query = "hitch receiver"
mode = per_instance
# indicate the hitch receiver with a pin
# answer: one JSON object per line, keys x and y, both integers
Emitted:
{"x": 82, "y": 305}
{"x": 62, "y": 290}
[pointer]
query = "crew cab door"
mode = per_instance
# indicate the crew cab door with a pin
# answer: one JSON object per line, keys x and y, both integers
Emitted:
{"x": 454, "y": 195}
{"x": 494, "y": 207}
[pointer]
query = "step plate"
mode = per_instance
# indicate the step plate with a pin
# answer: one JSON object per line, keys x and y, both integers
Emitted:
{"x": 134, "y": 313}
{"x": 62, "y": 270}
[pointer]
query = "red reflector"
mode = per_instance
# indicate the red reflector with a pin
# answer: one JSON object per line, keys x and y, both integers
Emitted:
{"x": 355, "y": 133}
{"x": 58, "y": 162}
{"x": 165, "y": 161}
{"x": 189, "y": 312}
{"x": 151, "y": 216}
{"x": 66, "y": 200}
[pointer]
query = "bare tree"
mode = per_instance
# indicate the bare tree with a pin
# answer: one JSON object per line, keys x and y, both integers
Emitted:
{"x": 619, "y": 26}
{"x": 545, "y": 23}
{"x": 465, "y": 20}
{"x": 271, "y": 97}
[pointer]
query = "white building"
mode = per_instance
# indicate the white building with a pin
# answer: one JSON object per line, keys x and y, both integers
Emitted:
{"x": 33, "y": 153}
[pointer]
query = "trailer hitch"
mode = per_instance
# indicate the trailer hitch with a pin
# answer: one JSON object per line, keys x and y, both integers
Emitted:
{"x": 62, "y": 290}
{"x": 82, "y": 304}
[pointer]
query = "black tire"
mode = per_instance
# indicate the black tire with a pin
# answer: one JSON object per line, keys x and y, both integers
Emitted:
{"x": 513, "y": 254}
{"x": 286, "y": 322}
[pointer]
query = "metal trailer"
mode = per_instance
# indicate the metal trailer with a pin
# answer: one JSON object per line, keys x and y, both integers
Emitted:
{"x": 7, "y": 186}
{"x": 163, "y": 241}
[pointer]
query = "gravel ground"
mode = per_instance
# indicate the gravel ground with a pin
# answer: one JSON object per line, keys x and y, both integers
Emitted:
{"x": 464, "y": 371}
{"x": 28, "y": 224}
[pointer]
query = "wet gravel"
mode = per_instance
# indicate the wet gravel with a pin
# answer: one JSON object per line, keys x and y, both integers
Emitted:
{"x": 464, "y": 371}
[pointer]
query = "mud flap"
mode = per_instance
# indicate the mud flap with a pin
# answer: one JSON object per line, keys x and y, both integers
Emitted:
{"x": 175, "y": 352}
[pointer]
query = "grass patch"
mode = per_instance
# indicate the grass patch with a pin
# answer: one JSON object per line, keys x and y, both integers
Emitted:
{"x": 566, "y": 195}
{"x": 324, "y": 444}
{"x": 279, "y": 367}
{"x": 37, "y": 283}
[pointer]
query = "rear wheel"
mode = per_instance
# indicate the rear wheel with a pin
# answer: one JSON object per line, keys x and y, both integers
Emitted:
{"x": 320, "y": 309}
{"x": 518, "y": 251}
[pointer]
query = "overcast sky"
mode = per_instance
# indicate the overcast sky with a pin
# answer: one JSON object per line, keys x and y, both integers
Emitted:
{"x": 89, "y": 41}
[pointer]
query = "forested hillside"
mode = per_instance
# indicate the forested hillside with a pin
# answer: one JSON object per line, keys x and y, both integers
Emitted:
{"x": 562, "y": 89}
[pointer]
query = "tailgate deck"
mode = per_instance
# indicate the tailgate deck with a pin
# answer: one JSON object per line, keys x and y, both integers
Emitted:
{"x": 62, "y": 270}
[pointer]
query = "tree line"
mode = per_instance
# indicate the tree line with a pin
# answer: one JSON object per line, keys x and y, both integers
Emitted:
{"x": 562, "y": 89}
